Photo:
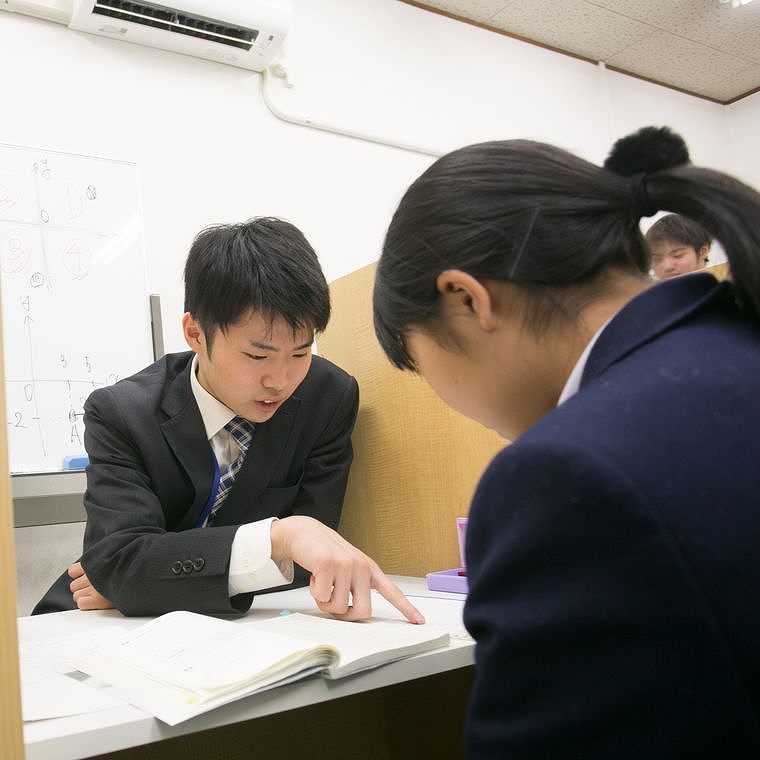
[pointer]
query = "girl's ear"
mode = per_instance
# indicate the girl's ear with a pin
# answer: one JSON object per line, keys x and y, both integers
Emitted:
{"x": 464, "y": 295}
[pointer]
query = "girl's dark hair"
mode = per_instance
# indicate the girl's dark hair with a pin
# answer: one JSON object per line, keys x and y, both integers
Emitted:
{"x": 678, "y": 229}
{"x": 549, "y": 222}
{"x": 265, "y": 265}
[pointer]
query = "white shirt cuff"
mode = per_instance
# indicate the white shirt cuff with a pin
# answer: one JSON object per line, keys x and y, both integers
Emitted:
{"x": 251, "y": 565}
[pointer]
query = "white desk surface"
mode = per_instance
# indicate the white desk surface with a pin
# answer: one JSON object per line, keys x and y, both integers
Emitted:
{"x": 89, "y": 734}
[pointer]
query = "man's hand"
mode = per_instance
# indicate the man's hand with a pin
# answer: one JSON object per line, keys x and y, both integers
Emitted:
{"x": 85, "y": 595}
{"x": 341, "y": 575}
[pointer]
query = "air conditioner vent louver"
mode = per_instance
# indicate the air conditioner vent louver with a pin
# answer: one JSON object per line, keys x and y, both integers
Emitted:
{"x": 244, "y": 33}
{"x": 169, "y": 19}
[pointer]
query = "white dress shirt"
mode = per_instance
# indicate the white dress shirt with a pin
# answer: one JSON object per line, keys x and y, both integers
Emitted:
{"x": 573, "y": 382}
{"x": 251, "y": 564}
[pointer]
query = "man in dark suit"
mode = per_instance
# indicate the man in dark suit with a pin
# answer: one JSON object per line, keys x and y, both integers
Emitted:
{"x": 212, "y": 471}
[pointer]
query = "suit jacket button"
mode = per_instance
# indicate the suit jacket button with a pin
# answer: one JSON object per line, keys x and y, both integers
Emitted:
{"x": 198, "y": 564}
{"x": 177, "y": 567}
{"x": 187, "y": 566}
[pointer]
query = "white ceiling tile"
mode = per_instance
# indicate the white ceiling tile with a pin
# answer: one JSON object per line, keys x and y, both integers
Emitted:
{"x": 738, "y": 84}
{"x": 474, "y": 10}
{"x": 583, "y": 28}
{"x": 678, "y": 62}
{"x": 698, "y": 45}
{"x": 663, "y": 14}
{"x": 732, "y": 30}
{"x": 746, "y": 44}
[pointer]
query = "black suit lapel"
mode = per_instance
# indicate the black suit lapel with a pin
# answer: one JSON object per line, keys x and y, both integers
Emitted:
{"x": 269, "y": 441}
{"x": 186, "y": 435}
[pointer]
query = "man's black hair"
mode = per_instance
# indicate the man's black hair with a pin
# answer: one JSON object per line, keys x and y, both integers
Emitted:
{"x": 263, "y": 265}
{"x": 678, "y": 229}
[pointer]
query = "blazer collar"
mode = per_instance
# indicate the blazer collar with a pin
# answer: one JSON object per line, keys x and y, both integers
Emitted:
{"x": 186, "y": 435}
{"x": 651, "y": 313}
{"x": 178, "y": 393}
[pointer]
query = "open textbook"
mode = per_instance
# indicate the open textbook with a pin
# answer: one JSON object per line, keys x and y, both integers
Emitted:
{"x": 182, "y": 664}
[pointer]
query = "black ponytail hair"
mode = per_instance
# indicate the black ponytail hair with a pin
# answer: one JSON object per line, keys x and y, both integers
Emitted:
{"x": 549, "y": 222}
{"x": 728, "y": 209}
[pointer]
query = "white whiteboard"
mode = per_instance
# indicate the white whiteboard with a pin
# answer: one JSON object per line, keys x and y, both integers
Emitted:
{"x": 75, "y": 305}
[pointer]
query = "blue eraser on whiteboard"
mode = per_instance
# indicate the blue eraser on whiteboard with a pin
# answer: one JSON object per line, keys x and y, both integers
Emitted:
{"x": 75, "y": 462}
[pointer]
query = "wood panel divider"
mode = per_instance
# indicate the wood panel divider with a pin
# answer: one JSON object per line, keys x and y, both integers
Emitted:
{"x": 11, "y": 734}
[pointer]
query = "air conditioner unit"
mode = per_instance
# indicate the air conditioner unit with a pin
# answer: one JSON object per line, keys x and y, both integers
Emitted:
{"x": 245, "y": 33}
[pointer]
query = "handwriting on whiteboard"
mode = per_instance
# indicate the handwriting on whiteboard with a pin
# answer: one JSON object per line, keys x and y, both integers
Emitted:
{"x": 75, "y": 307}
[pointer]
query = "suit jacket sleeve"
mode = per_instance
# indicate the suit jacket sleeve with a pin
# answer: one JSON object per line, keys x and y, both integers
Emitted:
{"x": 129, "y": 555}
{"x": 593, "y": 637}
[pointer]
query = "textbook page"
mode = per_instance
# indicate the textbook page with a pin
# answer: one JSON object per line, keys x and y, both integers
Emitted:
{"x": 183, "y": 664}
{"x": 360, "y": 645}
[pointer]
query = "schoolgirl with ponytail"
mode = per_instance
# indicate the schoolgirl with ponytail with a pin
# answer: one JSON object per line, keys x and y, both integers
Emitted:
{"x": 613, "y": 549}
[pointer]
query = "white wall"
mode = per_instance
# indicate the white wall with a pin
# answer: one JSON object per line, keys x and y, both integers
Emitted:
{"x": 209, "y": 150}
{"x": 42, "y": 553}
{"x": 744, "y": 124}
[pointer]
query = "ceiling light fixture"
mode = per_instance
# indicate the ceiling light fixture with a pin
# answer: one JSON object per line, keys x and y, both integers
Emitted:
{"x": 735, "y": 3}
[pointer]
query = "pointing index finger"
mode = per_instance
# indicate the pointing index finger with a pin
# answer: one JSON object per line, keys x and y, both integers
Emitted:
{"x": 392, "y": 593}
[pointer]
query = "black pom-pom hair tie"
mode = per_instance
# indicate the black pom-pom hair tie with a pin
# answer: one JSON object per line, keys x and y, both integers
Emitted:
{"x": 651, "y": 149}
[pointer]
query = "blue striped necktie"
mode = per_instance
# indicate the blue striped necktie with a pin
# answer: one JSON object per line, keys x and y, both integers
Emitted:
{"x": 242, "y": 431}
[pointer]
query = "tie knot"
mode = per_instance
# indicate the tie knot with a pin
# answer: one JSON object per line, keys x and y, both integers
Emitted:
{"x": 242, "y": 431}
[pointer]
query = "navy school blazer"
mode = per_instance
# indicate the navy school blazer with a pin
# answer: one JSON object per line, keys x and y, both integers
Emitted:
{"x": 613, "y": 551}
{"x": 151, "y": 472}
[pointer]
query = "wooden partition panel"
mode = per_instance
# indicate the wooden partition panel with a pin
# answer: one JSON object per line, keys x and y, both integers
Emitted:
{"x": 719, "y": 271}
{"x": 416, "y": 462}
{"x": 11, "y": 740}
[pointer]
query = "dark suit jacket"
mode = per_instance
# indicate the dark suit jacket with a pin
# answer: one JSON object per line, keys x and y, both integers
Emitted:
{"x": 613, "y": 551}
{"x": 151, "y": 472}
